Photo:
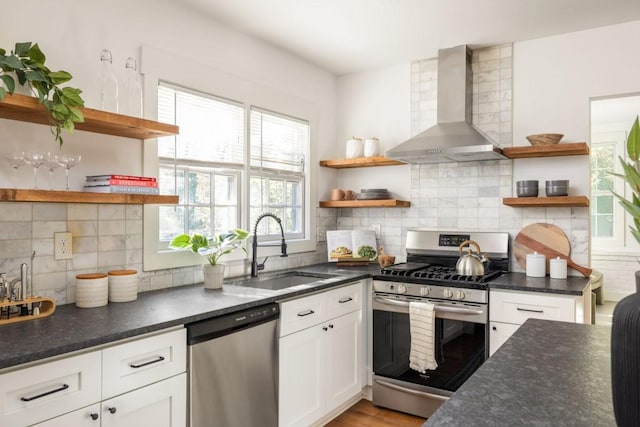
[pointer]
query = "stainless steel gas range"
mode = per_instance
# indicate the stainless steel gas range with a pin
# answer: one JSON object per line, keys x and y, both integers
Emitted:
{"x": 461, "y": 324}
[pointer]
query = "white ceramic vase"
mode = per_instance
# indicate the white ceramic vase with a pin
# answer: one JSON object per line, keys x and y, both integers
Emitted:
{"x": 213, "y": 275}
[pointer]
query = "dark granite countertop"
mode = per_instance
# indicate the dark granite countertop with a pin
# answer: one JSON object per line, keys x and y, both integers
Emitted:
{"x": 71, "y": 328}
{"x": 546, "y": 374}
{"x": 573, "y": 285}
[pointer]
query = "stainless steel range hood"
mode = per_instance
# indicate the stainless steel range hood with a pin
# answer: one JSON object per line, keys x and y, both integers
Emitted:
{"x": 453, "y": 138}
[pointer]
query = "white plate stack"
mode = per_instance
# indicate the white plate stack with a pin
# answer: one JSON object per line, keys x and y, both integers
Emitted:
{"x": 92, "y": 290}
{"x": 123, "y": 285}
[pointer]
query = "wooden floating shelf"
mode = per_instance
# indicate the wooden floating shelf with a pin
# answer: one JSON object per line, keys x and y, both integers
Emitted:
{"x": 566, "y": 201}
{"x": 359, "y": 162}
{"x": 555, "y": 150}
{"x": 384, "y": 203}
{"x": 28, "y": 109}
{"x": 19, "y": 195}
{"x": 46, "y": 306}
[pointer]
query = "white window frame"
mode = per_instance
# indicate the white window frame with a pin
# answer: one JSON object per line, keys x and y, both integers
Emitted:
{"x": 158, "y": 65}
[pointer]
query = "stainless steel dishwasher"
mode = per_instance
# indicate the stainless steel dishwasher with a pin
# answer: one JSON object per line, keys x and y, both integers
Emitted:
{"x": 232, "y": 369}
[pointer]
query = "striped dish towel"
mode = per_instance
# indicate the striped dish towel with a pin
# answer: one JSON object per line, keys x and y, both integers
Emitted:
{"x": 422, "y": 318}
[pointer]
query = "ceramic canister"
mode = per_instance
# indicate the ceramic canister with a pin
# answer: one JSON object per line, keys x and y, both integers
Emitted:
{"x": 371, "y": 147}
{"x": 123, "y": 285}
{"x": 558, "y": 268}
{"x": 92, "y": 290}
{"x": 536, "y": 265}
{"x": 355, "y": 148}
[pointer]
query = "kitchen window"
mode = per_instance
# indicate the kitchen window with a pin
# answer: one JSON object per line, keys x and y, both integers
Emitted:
{"x": 208, "y": 163}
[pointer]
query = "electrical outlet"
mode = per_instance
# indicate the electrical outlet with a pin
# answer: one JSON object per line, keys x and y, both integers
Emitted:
{"x": 62, "y": 244}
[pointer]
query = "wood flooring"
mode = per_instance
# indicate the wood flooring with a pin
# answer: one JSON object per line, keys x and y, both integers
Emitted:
{"x": 365, "y": 414}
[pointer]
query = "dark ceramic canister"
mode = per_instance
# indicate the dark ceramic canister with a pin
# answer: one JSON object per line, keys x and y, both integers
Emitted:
{"x": 625, "y": 361}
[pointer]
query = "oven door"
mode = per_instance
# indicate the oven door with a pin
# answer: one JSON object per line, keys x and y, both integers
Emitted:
{"x": 460, "y": 341}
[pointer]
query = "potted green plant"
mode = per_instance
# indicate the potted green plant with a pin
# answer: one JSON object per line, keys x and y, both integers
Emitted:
{"x": 215, "y": 248}
{"x": 26, "y": 63}
{"x": 631, "y": 175}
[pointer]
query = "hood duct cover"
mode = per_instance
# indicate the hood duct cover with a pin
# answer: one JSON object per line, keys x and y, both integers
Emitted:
{"x": 453, "y": 138}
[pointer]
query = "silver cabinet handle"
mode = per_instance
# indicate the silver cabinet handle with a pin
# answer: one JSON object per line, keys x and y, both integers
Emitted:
{"x": 306, "y": 313}
{"x": 529, "y": 310}
{"x": 413, "y": 392}
{"x": 440, "y": 308}
{"x": 344, "y": 300}
{"x": 136, "y": 365}
{"x": 46, "y": 393}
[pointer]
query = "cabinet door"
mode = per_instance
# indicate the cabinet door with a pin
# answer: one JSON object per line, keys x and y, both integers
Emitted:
{"x": 344, "y": 359}
{"x": 85, "y": 417}
{"x": 499, "y": 333}
{"x": 302, "y": 386}
{"x": 163, "y": 404}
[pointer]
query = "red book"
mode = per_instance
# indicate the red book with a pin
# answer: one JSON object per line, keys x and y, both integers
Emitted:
{"x": 116, "y": 181}
{"x": 126, "y": 177}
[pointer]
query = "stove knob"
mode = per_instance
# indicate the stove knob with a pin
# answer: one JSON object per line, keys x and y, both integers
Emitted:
{"x": 447, "y": 293}
{"x": 402, "y": 289}
{"x": 459, "y": 295}
{"x": 424, "y": 291}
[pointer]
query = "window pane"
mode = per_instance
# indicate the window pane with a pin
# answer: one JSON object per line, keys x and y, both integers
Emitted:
{"x": 293, "y": 220}
{"x": 604, "y": 226}
{"x": 278, "y": 142}
{"x": 273, "y": 227}
{"x": 225, "y": 219}
{"x": 199, "y": 188}
{"x": 200, "y": 220}
{"x": 256, "y": 186}
{"x": 276, "y": 192}
{"x": 167, "y": 182}
{"x": 293, "y": 193}
{"x": 225, "y": 189}
{"x": 171, "y": 221}
{"x": 605, "y": 204}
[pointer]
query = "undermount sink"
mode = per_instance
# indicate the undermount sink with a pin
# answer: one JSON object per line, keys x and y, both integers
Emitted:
{"x": 286, "y": 280}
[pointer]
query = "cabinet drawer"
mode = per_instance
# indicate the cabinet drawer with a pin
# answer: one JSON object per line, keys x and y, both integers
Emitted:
{"x": 519, "y": 306}
{"x": 302, "y": 313}
{"x": 40, "y": 392}
{"x": 137, "y": 363}
{"x": 89, "y": 416}
{"x": 344, "y": 300}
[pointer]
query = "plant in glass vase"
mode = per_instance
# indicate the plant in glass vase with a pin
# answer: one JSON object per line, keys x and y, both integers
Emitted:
{"x": 26, "y": 63}
{"x": 213, "y": 249}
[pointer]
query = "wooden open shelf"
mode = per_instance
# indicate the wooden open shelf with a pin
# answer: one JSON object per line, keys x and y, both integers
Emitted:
{"x": 28, "y": 109}
{"x": 20, "y": 195}
{"x": 539, "y": 202}
{"x": 384, "y": 203}
{"x": 359, "y": 162}
{"x": 555, "y": 150}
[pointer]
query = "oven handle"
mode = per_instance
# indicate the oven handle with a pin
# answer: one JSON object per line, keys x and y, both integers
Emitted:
{"x": 413, "y": 392}
{"x": 440, "y": 308}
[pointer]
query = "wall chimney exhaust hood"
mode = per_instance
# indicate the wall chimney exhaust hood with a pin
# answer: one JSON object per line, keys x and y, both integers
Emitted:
{"x": 453, "y": 138}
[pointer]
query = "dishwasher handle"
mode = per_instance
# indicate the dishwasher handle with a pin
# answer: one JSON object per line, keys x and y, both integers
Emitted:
{"x": 226, "y": 324}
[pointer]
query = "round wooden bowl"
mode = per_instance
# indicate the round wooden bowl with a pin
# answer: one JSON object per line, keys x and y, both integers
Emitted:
{"x": 545, "y": 138}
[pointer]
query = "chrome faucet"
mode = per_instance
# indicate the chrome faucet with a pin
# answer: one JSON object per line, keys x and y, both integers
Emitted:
{"x": 255, "y": 266}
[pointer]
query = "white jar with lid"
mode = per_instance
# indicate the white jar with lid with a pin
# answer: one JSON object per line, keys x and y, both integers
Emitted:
{"x": 558, "y": 268}
{"x": 354, "y": 148}
{"x": 536, "y": 265}
{"x": 92, "y": 290}
{"x": 371, "y": 147}
{"x": 123, "y": 285}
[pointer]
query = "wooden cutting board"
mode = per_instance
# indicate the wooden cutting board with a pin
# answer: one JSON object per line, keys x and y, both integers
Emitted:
{"x": 546, "y": 239}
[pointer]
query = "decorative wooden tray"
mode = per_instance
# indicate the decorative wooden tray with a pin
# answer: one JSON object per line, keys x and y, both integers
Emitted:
{"x": 46, "y": 306}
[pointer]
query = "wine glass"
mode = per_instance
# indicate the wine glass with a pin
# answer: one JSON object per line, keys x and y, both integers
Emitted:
{"x": 35, "y": 159}
{"x": 52, "y": 163}
{"x": 67, "y": 161}
{"x": 15, "y": 160}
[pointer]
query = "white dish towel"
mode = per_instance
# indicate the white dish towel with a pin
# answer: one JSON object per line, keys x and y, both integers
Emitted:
{"x": 422, "y": 318}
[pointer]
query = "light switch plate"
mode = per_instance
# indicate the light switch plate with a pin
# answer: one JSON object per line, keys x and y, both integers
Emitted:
{"x": 62, "y": 244}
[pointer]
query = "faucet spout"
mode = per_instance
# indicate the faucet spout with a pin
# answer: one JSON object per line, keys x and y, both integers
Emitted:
{"x": 255, "y": 266}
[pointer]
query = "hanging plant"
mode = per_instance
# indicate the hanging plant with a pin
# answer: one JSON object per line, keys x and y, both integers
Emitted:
{"x": 26, "y": 63}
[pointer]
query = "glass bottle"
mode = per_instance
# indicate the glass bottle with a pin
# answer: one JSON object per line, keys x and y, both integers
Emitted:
{"x": 132, "y": 97}
{"x": 108, "y": 84}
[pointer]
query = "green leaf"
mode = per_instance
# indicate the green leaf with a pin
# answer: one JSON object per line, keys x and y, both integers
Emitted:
{"x": 22, "y": 49}
{"x": 76, "y": 115}
{"x": 35, "y": 76}
{"x": 3, "y": 93}
{"x": 72, "y": 97}
{"x": 11, "y": 61}
{"x": 68, "y": 125}
{"x": 633, "y": 141}
{"x": 2, "y": 51}
{"x": 8, "y": 82}
{"x": 58, "y": 77}
{"x": 22, "y": 79}
{"x": 36, "y": 54}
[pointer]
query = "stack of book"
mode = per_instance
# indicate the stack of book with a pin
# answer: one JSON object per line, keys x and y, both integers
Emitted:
{"x": 126, "y": 184}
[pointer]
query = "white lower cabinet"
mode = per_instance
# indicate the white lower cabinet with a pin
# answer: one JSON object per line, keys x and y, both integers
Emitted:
{"x": 509, "y": 309}
{"x": 320, "y": 367}
{"x": 136, "y": 383}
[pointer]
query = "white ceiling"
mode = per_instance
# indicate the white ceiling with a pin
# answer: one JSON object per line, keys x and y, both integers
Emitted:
{"x": 346, "y": 36}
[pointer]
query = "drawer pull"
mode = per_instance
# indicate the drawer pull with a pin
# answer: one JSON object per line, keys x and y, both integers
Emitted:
{"x": 112, "y": 409}
{"x": 529, "y": 310}
{"x": 151, "y": 362}
{"x": 46, "y": 393}
{"x": 94, "y": 416}
{"x": 306, "y": 313}
{"x": 344, "y": 300}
